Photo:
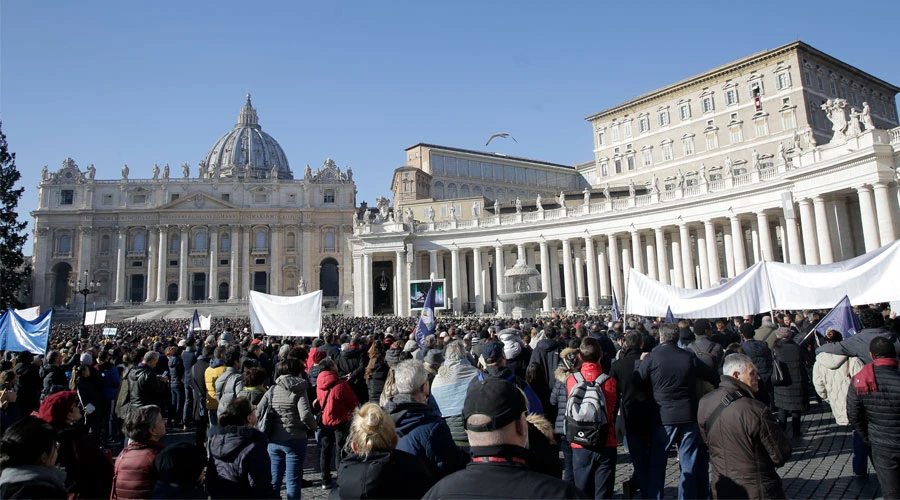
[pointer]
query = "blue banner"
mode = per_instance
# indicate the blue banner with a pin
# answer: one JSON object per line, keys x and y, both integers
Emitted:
{"x": 616, "y": 312}
{"x": 18, "y": 334}
{"x": 840, "y": 318}
{"x": 670, "y": 318}
{"x": 195, "y": 324}
{"x": 425, "y": 327}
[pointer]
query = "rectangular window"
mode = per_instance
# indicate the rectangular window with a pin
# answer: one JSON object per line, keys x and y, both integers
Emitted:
{"x": 66, "y": 197}
{"x": 226, "y": 197}
{"x": 259, "y": 197}
{"x": 783, "y": 80}
{"x": 140, "y": 199}
{"x": 712, "y": 140}
{"x": 329, "y": 196}
{"x": 688, "y": 146}
{"x": 630, "y": 160}
{"x": 731, "y": 97}
{"x": 756, "y": 88}
{"x": 618, "y": 163}
{"x": 788, "y": 120}
{"x": 174, "y": 196}
{"x": 663, "y": 118}
{"x": 762, "y": 128}
{"x": 834, "y": 90}
{"x": 648, "y": 157}
{"x": 444, "y": 211}
{"x": 644, "y": 124}
{"x": 615, "y": 132}
{"x": 807, "y": 77}
{"x": 707, "y": 104}
{"x": 684, "y": 111}
{"x": 736, "y": 135}
{"x": 601, "y": 137}
{"x": 626, "y": 128}
{"x": 107, "y": 199}
{"x": 667, "y": 152}
{"x": 604, "y": 169}
{"x": 820, "y": 83}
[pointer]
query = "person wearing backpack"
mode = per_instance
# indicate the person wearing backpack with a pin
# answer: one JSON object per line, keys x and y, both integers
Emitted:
{"x": 708, "y": 352}
{"x": 590, "y": 412}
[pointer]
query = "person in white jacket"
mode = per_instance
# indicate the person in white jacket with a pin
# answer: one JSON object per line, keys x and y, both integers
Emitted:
{"x": 832, "y": 374}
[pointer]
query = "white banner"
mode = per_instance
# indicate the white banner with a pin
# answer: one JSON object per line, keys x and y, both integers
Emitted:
{"x": 205, "y": 322}
{"x": 95, "y": 318}
{"x": 29, "y": 314}
{"x": 109, "y": 332}
{"x": 287, "y": 316}
{"x": 765, "y": 286}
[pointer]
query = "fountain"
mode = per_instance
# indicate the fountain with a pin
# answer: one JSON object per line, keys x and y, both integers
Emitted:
{"x": 524, "y": 281}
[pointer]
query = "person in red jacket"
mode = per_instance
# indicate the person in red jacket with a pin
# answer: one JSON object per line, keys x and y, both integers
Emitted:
{"x": 337, "y": 402}
{"x": 135, "y": 472}
{"x": 594, "y": 470}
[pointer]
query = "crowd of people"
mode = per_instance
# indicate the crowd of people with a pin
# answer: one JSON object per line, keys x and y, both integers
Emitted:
{"x": 485, "y": 407}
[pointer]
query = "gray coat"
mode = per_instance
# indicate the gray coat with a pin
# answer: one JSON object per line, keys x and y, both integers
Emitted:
{"x": 228, "y": 385}
{"x": 289, "y": 401}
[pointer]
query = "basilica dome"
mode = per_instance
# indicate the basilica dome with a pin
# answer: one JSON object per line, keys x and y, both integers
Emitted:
{"x": 246, "y": 152}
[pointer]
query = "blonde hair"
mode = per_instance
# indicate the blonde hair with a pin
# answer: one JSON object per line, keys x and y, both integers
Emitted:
{"x": 371, "y": 429}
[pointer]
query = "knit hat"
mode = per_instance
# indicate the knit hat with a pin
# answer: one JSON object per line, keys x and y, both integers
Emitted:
{"x": 56, "y": 408}
{"x": 410, "y": 346}
{"x": 87, "y": 359}
{"x": 783, "y": 333}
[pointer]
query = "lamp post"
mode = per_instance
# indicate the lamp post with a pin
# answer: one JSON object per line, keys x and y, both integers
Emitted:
{"x": 85, "y": 287}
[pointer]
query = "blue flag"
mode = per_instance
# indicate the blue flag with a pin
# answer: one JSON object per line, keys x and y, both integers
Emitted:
{"x": 840, "y": 318}
{"x": 18, "y": 334}
{"x": 195, "y": 324}
{"x": 425, "y": 327}
{"x": 670, "y": 318}
{"x": 616, "y": 312}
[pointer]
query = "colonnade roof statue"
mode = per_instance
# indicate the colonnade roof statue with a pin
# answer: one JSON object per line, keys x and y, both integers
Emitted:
{"x": 246, "y": 151}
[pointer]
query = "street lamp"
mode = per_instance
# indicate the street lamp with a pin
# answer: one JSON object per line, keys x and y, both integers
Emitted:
{"x": 85, "y": 287}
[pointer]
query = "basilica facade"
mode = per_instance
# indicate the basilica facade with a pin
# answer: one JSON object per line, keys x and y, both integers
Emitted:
{"x": 241, "y": 221}
{"x": 788, "y": 155}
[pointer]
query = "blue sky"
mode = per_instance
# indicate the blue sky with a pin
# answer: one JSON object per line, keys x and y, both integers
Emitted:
{"x": 109, "y": 82}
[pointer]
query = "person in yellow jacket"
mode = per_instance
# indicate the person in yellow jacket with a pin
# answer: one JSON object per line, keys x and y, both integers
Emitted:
{"x": 215, "y": 370}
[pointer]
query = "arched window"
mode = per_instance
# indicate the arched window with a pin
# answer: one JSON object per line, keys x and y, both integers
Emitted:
{"x": 225, "y": 242}
{"x": 139, "y": 242}
{"x": 175, "y": 244}
{"x": 464, "y": 191}
{"x": 329, "y": 240}
{"x": 290, "y": 241}
{"x": 104, "y": 243}
{"x": 451, "y": 190}
{"x": 65, "y": 244}
{"x": 261, "y": 240}
{"x": 200, "y": 241}
{"x": 438, "y": 190}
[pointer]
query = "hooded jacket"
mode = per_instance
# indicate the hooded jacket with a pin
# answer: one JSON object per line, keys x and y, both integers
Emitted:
{"x": 33, "y": 481}
{"x": 424, "y": 433}
{"x": 228, "y": 385}
{"x": 239, "y": 465}
{"x": 546, "y": 357}
{"x": 145, "y": 389}
{"x": 336, "y": 399}
{"x": 353, "y": 362}
{"x": 831, "y": 378}
{"x": 794, "y": 395}
{"x": 383, "y": 474}
{"x": 590, "y": 372}
{"x": 745, "y": 443}
{"x": 392, "y": 356}
{"x": 288, "y": 399}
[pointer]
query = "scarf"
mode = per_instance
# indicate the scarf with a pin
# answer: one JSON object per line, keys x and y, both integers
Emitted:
{"x": 864, "y": 381}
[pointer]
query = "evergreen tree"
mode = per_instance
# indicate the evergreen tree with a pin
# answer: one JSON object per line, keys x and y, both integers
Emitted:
{"x": 13, "y": 273}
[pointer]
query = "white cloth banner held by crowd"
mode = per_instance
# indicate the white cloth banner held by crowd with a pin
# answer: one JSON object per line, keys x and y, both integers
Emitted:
{"x": 287, "y": 316}
{"x": 95, "y": 318}
{"x": 205, "y": 322}
{"x": 29, "y": 314}
{"x": 767, "y": 286}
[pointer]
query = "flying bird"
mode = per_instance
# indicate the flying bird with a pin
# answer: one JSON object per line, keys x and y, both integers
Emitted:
{"x": 503, "y": 135}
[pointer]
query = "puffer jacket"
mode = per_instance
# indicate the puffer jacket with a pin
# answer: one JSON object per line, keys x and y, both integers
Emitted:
{"x": 33, "y": 481}
{"x": 746, "y": 444}
{"x": 383, "y": 474}
{"x": 377, "y": 379}
{"x": 392, "y": 356}
{"x": 135, "y": 475}
{"x": 424, "y": 433}
{"x": 794, "y": 394}
{"x": 336, "y": 399}
{"x": 558, "y": 397}
{"x": 546, "y": 356}
{"x": 876, "y": 416}
{"x": 239, "y": 465}
{"x": 210, "y": 377}
{"x": 176, "y": 371}
{"x": 831, "y": 378}
{"x": 228, "y": 386}
{"x": 288, "y": 398}
{"x": 144, "y": 388}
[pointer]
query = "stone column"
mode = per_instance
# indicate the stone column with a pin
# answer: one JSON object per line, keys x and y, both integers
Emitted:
{"x": 161, "y": 288}
{"x": 614, "y": 271}
{"x": 400, "y": 286}
{"x": 637, "y": 250}
{"x": 183, "y": 284}
{"x": 728, "y": 241}
{"x": 754, "y": 240}
{"x": 432, "y": 264}
{"x": 712, "y": 252}
{"x": 687, "y": 256}
{"x": 234, "y": 242}
{"x": 808, "y": 230}
{"x": 213, "y": 278}
{"x": 501, "y": 286}
{"x": 555, "y": 288}
{"x": 567, "y": 275}
{"x": 823, "y": 232}
{"x": 590, "y": 257}
{"x": 120, "y": 267}
{"x": 885, "y": 213}
{"x": 578, "y": 262}
{"x": 245, "y": 263}
{"x": 603, "y": 268}
{"x": 153, "y": 261}
{"x": 368, "y": 296}
{"x": 677, "y": 264}
{"x": 476, "y": 281}
{"x": 626, "y": 268}
{"x": 455, "y": 281}
{"x": 463, "y": 281}
{"x": 793, "y": 240}
{"x": 765, "y": 236}
{"x": 703, "y": 257}
{"x": 662, "y": 260}
{"x": 650, "y": 249}
{"x": 844, "y": 248}
{"x": 85, "y": 252}
{"x": 358, "y": 288}
{"x": 545, "y": 275}
{"x": 737, "y": 240}
{"x": 275, "y": 253}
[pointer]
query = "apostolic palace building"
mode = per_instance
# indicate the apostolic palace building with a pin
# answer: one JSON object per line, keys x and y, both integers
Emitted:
{"x": 788, "y": 155}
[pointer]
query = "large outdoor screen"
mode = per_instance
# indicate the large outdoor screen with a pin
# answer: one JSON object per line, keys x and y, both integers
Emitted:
{"x": 418, "y": 290}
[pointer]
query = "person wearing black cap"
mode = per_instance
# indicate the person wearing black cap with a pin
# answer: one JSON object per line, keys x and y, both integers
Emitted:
{"x": 495, "y": 423}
